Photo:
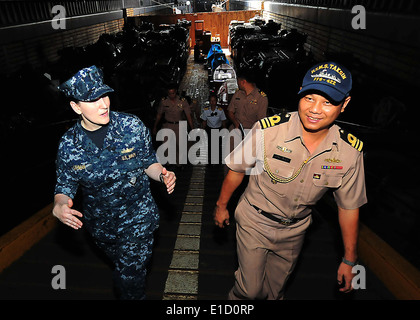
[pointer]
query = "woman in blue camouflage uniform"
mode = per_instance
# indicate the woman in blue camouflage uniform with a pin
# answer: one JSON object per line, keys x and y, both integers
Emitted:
{"x": 110, "y": 156}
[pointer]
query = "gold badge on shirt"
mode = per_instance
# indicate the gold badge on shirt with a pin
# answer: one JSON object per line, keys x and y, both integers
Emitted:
{"x": 128, "y": 154}
{"x": 284, "y": 149}
{"x": 333, "y": 160}
{"x": 128, "y": 150}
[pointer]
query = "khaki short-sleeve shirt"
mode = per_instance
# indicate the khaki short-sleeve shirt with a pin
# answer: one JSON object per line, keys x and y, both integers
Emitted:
{"x": 248, "y": 109}
{"x": 286, "y": 180}
{"x": 173, "y": 109}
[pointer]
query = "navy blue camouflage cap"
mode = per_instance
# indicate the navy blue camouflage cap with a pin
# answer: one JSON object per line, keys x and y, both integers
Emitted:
{"x": 86, "y": 85}
{"x": 330, "y": 78}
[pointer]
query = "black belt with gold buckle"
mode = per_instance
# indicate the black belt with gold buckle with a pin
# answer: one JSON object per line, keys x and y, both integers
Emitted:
{"x": 283, "y": 221}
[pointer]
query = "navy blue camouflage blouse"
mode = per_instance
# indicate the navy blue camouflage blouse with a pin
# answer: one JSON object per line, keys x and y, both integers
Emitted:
{"x": 116, "y": 190}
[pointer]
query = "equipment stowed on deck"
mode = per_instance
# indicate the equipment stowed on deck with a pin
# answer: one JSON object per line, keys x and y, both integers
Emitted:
{"x": 202, "y": 41}
{"x": 224, "y": 84}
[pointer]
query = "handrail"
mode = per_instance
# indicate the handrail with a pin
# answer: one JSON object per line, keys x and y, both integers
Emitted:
{"x": 21, "y": 238}
{"x": 400, "y": 277}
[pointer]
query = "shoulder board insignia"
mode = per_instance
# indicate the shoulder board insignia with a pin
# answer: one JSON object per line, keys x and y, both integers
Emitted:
{"x": 351, "y": 139}
{"x": 206, "y": 108}
{"x": 262, "y": 93}
{"x": 219, "y": 108}
{"x": 274, "y": 120}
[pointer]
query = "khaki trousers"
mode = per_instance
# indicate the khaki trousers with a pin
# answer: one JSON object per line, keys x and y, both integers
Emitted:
{"x": 267, "y": 254}
{"x": 181, "y": 140}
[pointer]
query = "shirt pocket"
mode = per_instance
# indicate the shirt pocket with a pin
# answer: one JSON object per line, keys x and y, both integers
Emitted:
{"x": 320, "y": 186}
{"x": 275, "y": 172}
{"x": 278, "y": 169}
{"x": 93, "y": 176}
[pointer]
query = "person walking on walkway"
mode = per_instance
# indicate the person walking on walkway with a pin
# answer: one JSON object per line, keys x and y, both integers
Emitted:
{"x": 248, "y": 105}
{"x": 109, "y": 155}
{"x": 173, "y": 109}
{"x": 213, "y": 119}
{"x": 294, "y": 159}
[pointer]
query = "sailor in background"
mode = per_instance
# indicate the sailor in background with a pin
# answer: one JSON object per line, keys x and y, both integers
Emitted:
{"x": 294, "y": 159}
{"x": 247, "y": 106}
{"x": 174, "y": 109}
{"x": 110, "y": 157}
{"x": 214, "y": 119}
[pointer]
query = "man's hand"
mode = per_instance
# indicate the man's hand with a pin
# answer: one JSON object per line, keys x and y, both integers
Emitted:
{"x": 169, "y": 179}
{"x": 62, "y": 210}
{"x": 345, "y": 275}
{"x": 230, "y": 183}
{"x": 221, "y": 216}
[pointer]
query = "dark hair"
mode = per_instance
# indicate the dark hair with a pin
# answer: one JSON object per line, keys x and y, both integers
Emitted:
{"x": 321, "y": 93}
{"x": 212, "y": 94}
{"x": 70, "y": 99}
{"x": 247, "y": 74}
{"x": 171, "y": 86}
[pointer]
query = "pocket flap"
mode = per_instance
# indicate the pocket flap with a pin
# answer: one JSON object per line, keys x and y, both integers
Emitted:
{"x": 279, "y": 169}
{"x": 328, "y": 181}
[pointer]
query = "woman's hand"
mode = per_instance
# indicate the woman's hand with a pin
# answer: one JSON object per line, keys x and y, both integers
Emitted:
{"x": 62, "y": 210}
{"x": 169, "y": 179}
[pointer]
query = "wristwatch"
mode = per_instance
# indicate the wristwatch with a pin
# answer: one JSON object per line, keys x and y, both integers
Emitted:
{"x": 349, "y": 263}
{"x": 161, "y": 177}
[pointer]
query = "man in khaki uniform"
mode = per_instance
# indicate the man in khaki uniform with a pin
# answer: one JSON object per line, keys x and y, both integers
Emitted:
{"x": 174, "y": 108}
{"x": 293, "y": 160}
{"x": 247, "y": 106}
